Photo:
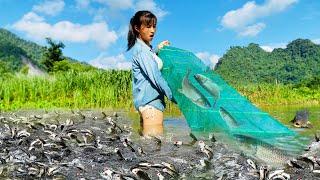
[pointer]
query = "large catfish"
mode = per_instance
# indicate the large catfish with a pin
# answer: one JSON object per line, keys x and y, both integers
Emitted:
{"x": 267, "y": 153}
{"x": 209, "y": 85}
{"x": 191, "y": 92}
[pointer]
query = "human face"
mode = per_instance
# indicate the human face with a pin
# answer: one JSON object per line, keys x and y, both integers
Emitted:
{"x": 147, "y": 32}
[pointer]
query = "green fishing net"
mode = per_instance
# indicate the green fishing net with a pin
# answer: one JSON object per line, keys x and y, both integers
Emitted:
{"x": 210, "y": 104}
{"x": 226, "y": 110}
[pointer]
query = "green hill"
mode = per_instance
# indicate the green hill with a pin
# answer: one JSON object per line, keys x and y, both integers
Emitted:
{"x": 298, "y": 63}
{"x": 16, "y": 52}
{"x": 12, "y": 48}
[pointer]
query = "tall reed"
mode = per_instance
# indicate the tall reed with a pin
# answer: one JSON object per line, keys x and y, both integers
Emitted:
{"x": 278, "y": 94}
{"x": 94, "y": 89}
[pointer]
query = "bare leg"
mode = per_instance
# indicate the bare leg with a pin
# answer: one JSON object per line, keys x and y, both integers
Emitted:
{"x": 152, "y": 121}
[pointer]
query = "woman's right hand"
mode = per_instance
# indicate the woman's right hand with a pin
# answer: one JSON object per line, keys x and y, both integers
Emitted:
{"x": 163, "y": 43}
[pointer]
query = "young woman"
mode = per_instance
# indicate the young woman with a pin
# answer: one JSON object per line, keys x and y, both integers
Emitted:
{"x": 149, "y": 87}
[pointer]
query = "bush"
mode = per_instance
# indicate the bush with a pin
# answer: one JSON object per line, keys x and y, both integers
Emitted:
{"x": 67, "y": 65}
{"x": 24, "y": 70}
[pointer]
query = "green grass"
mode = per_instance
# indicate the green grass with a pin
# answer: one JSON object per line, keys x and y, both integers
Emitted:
{"x": 271, "y": 94}
{"x": 94, "y": 89}
{"x": 112, "y": 89}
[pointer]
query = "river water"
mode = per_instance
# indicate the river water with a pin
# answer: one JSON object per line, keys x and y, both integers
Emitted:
{"x": 286, "y": 113}
{"x": 175, "y": 123}
{"x": 176, "y": 128}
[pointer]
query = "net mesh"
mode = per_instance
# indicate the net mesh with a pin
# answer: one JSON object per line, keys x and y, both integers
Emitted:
{"x": 213, "y": 106}
{"x": 227, "y": 112}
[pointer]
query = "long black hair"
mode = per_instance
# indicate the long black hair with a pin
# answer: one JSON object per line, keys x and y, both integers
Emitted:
{"x": 141, "y": 17}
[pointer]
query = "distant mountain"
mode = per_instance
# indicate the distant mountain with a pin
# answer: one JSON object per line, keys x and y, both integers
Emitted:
{"x": 16, "y": 52}
{"x": 13, "y": 48}
{"x": 298, "y": 62}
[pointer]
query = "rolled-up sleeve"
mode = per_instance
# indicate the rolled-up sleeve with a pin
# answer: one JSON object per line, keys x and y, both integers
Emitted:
{"x": 150, "y": 68}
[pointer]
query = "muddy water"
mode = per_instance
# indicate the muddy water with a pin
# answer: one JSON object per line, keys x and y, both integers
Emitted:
{"x": 286, "y": 113}
{"x": 177, "y": 128}
{"x": 75, "y": 160}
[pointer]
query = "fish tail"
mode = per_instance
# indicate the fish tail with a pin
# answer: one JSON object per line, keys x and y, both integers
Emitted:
{"x": 188, "y": 73}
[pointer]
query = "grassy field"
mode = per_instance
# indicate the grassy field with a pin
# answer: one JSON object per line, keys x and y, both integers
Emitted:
{"x": 106, "y": 89}
{"x": 272, "y": 94}
{"x": 112, "y": 89}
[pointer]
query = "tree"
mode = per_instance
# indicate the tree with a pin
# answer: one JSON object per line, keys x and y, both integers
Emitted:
{"x": 5, "y": 70}
{"x": 296, "y": 63}
{"x": 24, "y": 70}
{"x": 53, "y": 54}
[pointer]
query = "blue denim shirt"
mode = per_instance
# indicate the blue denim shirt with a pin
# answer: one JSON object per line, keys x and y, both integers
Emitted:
{"x": 149, "y": 87}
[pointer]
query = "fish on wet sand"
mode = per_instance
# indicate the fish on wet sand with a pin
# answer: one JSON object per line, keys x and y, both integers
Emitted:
{"x": 160, "y": 176}
{"x": 141, "y": 151}
{"x": 311, "y": 161}
{"x": 252, "y": 164}
{"x": 264, "y": 173}
{"x": 117, "y": 150}
{"x": 314, "y": 147}
{"x": 205, "y": 149}
{"x": 126, "y": 143}
{"x": 169, "y": 172}
{"x": 204, "y": 164}
{"x": 202, "y": 144}
{"x": 107, "y": 173}
{"x": 170, "y": 166}
{"x": 140, "y": 173}
{"x": 178, "y": 143}
{"x": 212, "y": 138}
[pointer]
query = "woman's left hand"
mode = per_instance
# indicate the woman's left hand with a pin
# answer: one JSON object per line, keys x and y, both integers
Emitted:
{"x": 163, "y": 43}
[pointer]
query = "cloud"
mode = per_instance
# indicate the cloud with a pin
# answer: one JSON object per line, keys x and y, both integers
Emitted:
{"x": 151, "y": 6}
{"x": 271, "y": 47}
{"x": 116, "y": 4}
{"x": 316, "y": 41}
{"x": 208, "y": 59}
{"x": 111, "y": 62}
{"x": 36, "y": 28}
{"x": 252, "y": 30}
{"x": 123, "y": 31}
{"x": 99, "y": 14}
{"x": 82, "y": 4}
{"x": 100, "y": 9}
{"x": 49, "y": 7}
{"x": 267, "y": 48}
{"x": 243, "y": 20}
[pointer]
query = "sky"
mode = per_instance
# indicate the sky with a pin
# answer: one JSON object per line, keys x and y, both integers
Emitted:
{"x": 95, "y": 31}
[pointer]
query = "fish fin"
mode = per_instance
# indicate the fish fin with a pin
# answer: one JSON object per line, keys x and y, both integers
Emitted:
{"x": 193, "y": 137}
{"x": 316, "y": 137}
{"x": 292, "y": 121}
{"x": 197, "y": 102}
{"x": 214, "y": 104}
{"x": 188, "y": 73}
{"x": 227, "y": 117}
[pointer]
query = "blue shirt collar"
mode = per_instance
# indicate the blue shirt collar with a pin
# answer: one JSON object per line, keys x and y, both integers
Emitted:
{"x": 142, "y": 43}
